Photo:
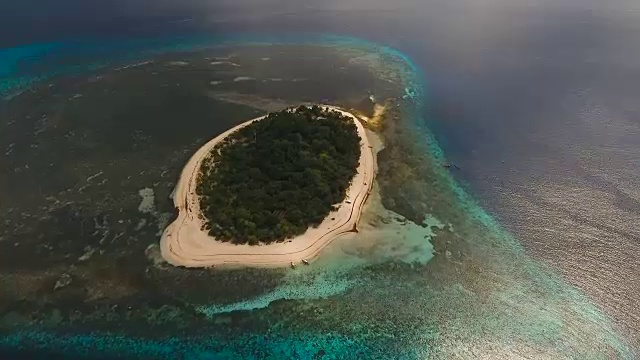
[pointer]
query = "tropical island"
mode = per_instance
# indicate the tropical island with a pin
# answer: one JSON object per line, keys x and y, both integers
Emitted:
{"x": 272, "y": 191}
{"x": 272, "y": 179}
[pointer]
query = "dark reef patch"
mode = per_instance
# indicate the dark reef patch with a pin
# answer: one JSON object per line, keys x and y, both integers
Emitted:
{"x": 80, "y": 148}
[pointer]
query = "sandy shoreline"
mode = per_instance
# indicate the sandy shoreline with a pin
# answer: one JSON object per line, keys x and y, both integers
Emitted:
{"x": 183, "y": 243}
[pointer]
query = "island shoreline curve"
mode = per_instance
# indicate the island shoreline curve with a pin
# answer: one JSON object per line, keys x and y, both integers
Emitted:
{"x": 184, "y": 243}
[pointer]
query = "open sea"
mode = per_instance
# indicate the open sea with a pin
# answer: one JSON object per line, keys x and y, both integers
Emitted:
{"x": 534, "y": 102}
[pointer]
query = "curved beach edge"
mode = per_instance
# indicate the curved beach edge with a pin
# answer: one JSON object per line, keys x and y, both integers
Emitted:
{"x": 184, "y": 243}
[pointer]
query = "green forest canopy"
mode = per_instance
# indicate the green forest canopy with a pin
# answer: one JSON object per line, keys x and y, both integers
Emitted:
{"x": 274, "y": 178}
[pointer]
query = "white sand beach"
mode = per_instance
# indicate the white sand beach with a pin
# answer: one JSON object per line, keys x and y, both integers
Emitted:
{"x": 183, "y": 243}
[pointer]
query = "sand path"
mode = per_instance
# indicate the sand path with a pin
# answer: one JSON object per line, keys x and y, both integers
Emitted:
{"x": 183, "y": 243}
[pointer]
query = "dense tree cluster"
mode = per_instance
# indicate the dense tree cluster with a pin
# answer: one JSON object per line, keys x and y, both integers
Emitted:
{"x": 274, "y": 178}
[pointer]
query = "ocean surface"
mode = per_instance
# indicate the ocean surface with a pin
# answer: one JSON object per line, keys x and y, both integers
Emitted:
{"x": 534, "y": 101}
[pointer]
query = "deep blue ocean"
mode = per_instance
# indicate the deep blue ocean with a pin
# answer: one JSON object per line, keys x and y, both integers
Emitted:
{"x": 536, "y": 102}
